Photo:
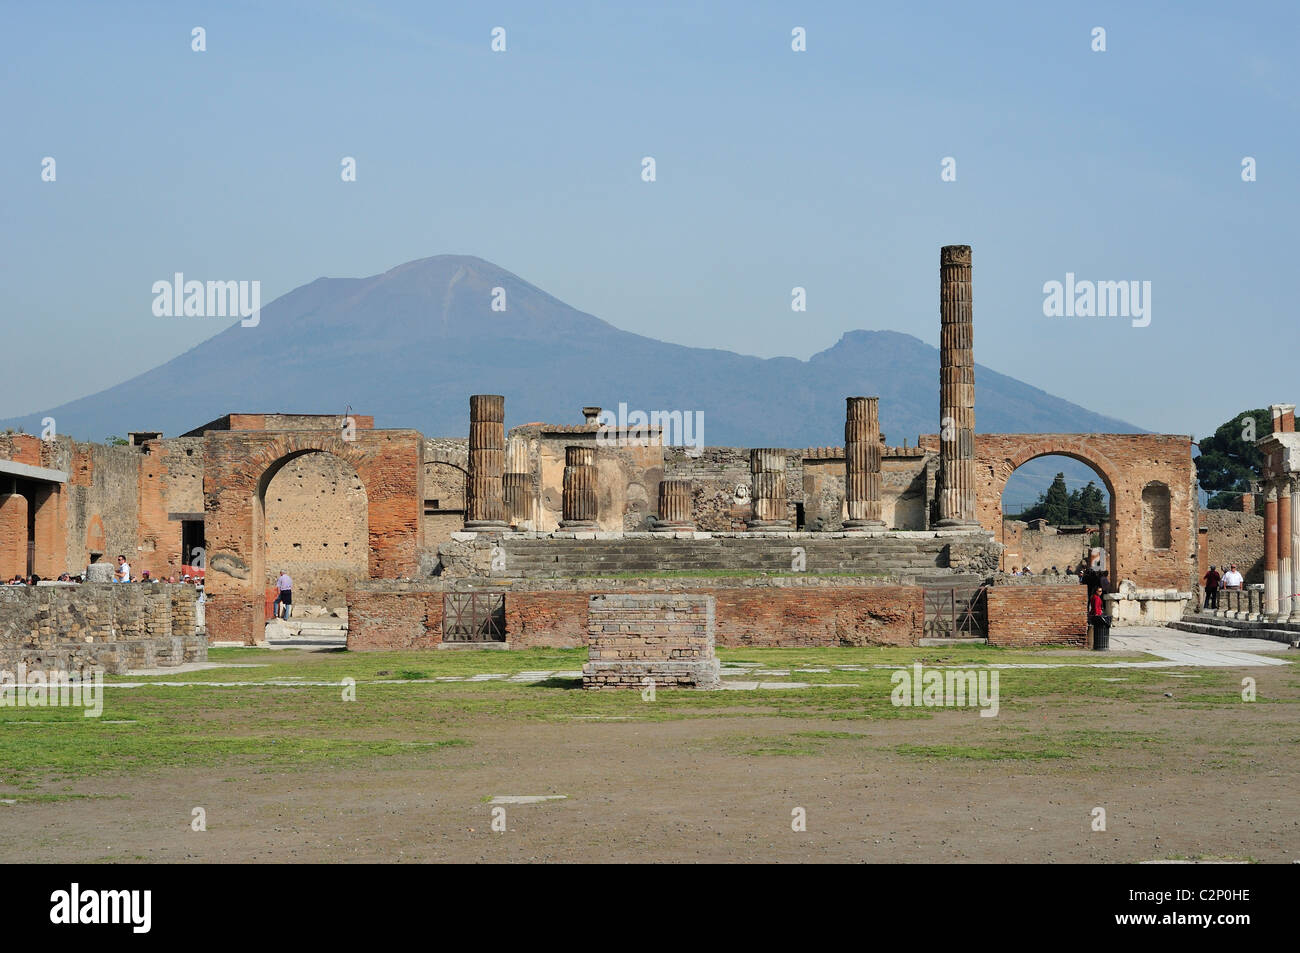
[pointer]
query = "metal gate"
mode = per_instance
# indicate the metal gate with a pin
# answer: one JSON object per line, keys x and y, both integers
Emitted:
{"x": 956, "y": 613}
{"x": 473, "y": 617}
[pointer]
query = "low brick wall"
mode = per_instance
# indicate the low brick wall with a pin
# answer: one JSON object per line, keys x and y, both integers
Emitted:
{"x": 808, "y": 611}
{"x": 118, "y": 626}
{"x": 1037, "y": 613}
{"x": 636, "y": 638}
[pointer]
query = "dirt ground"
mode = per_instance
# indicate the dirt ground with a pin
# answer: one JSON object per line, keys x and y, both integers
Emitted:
{"x": 1174, "y": 780}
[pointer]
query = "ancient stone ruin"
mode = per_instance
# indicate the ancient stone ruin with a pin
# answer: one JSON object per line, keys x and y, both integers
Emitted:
{"x": 399, "y": 538}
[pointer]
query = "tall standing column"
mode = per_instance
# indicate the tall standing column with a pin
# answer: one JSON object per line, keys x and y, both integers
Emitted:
{"x": 485, "y": 494}
{"x": 1284, "y": 589}
{"x": 956, "y": 485}
{"x": 1270, "y": 550}
{"x": 675, "y": 498}
{"x": 579, "y": 499}
{"x": 862, "y": 464}
{"x": 767, "y": 476}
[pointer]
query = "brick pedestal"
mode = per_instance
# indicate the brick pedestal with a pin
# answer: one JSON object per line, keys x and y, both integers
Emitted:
{"x": 636, "y": 638}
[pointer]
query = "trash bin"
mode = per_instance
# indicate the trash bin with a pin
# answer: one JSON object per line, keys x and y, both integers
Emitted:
{"x": 1100, "y": 633}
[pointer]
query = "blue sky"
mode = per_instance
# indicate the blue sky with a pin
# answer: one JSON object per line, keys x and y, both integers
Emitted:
{"x": 776, "y": 169}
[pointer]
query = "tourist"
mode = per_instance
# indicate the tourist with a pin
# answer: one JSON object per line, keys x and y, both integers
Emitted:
{"x": 1232, "y": 579}
{"x": 1212, "y": 579}
{"x": 123, "y": 573}
{"x": 285, "y": 600}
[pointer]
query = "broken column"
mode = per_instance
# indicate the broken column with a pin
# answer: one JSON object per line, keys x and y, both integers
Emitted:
{"x": 579, "y": 502}
{"x": 862, "y": 464}
{"x": 956, "y": 484}
{"x": 485, "y": 493}
{"x": 675, "y": 502}
{"x": 767, "y": 492}
{"x": 516, "y": 484}
{"x": 13, "y": 536}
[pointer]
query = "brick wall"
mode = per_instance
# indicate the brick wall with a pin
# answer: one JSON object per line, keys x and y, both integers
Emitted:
{"x": 1037, "y": 614}
{"x": 383, "y": 615}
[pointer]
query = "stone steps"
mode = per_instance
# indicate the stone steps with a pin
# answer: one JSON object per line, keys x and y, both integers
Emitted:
{"x": 593, "y": 557}
{"x": 1237, "y": 629}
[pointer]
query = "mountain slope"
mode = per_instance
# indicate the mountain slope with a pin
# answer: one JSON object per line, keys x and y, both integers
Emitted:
{"x": 410, "y": 346}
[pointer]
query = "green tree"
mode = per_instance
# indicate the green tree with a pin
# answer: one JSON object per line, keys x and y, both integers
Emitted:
{"x": 1056, "y": 502}
{"x": 115, "y": 441}
{"x": 1091, "y": 508}
{"x": 1229, "y": 460}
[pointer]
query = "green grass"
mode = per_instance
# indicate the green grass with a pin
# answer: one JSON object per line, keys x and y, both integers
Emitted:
{"x": 256, "y": 727}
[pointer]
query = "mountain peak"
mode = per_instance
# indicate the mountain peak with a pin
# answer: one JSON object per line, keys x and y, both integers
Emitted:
{"x": 411, "y": 344}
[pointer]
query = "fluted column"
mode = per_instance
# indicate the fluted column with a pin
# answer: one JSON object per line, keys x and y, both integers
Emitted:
{"x": 862, "y": 464}
{"x": 956, "y": 485}
{"x": 1270, "y": 550}
{"x": 485, "y": 494}
{"x": 517, "y": 482}
{"x": 1284, "y": 589}
{"x": 579, "y": 488}
{"x": 675, "y": 502}
{"x": 767, "y": 476}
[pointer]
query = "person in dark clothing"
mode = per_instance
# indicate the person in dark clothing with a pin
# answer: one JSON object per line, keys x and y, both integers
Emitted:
{"x": 1212, "y": 580}
{"x": 1092, "y": 580}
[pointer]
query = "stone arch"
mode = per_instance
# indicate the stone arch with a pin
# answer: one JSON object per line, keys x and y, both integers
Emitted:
{"x": 1002, "y": 470}
{"x": 443, "y": 506}
{"x": 239, "y": 465}
{"x": 1156, "y": 516}
{"x": 311, "y": 511}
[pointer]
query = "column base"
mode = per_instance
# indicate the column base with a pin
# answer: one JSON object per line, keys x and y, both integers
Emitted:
{"x": 774, "y": 526}
{"x": 661, "y": 527}
{"x": 864, "y": 526}
{"x": 486, "y": 526}
{"x": 953, "y": 523}
{"x": 580, "y": 525}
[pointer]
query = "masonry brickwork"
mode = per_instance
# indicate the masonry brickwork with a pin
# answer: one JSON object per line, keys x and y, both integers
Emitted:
{"x": 239, "y": 466}
{"x": 1228, "y": 537}
{"x": 635, "y": 639}
{"x": 119, "y": 627}
{"x": 316, "y": 527}
{"x": 1037, "y": 612}
{"x": 1130, "y": 465}
{"x": 539, "y": 613}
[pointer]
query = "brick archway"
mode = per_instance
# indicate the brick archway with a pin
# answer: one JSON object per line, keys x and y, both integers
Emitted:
{"x": 238, "y": 466}
{"x": 1127, "y": 463}
{"x": 990, "y": 512}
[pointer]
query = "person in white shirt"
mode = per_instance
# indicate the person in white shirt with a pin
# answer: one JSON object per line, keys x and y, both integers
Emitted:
{"x": 1232, "y": 579}
{"x": 123, "y": 573}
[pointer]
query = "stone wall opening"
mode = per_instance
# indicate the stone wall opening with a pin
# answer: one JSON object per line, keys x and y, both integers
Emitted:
{"x": 314, "y": 510}
{"x": 1156, "y": 511}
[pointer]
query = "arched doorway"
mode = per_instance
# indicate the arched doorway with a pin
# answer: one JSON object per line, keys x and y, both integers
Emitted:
{"x": 312, "y": 521}
{"x": 1057, "y": 509}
